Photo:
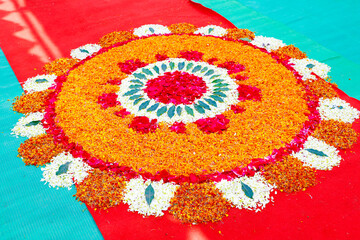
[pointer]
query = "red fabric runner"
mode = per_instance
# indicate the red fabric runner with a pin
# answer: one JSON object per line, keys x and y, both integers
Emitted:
{"x": 34, "y": 32}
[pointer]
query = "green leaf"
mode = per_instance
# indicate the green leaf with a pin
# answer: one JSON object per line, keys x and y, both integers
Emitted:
{"x": 163, "y": 67}
{"x": 246, "y": 39}
{"x": 217, "y": 98}
{"x": 204, "y": 69}
{"x": 156, "y": 69}
{"x": 171, "y": 111}
{"x": 63, "y": 168}
{"x": 220, "y": 94}
{"x": 149, "y": 194}
{"x": 221, "y": 85}
{"x": 211, "y": 102}
{"x": 189, "y": 110}
{"x": 222, "y": 89}
{"x": 33, "y": 123}
{"x": 147, "y": 71}
{"x": 151, "y": 30}
{"x": 137, "y": 81}
{"x": 316, "y": 152}
{"x": 41, "y": 80}
{"x": 190, "y": 65}
{"x": 161, "y": 111}
{"x": 339, "y": 107}
{"x": 215, "y": 76}
{"x": 178, "y": 110}
{"x": 131, "y": 92}
{"x": 138, "y": 100}
{"x": 144, "y": 105}
{"x": 172, "y": 65}
{"x": 181, "y": 65}
{"x": 210, "y": 30}
{"x": 84, "y": 51}
{"x": 133, "y": 97}
{"x": 209, "y": 72}
{"x": 140, "y": 76}
{"x": 218, "y": 81}
{"x": 199, "y": 109}
{"x": 153, "y": 107}
{"x": 247, "y": 190}
{"x": 310, "y": 66}
{"x": 197, "y": 68}
{"x": 135, "y": 86}
{"x": 204, "y": 105}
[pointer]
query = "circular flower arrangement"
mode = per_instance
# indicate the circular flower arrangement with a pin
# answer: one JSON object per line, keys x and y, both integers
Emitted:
{"x": 188, "y": 120}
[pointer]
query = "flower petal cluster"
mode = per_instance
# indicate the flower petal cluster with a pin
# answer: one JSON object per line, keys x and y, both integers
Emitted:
{"x": 144, "y": 124}
{"x": 39, "y": 83}
{"x": 217, "y": 124}
{"x": 30, "y": 125}
{"x": 337, "y": 109}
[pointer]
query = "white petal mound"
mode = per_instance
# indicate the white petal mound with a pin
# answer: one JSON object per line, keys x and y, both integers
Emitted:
{"x": 151, "y": 29}
{"x": 85, "y": 51}
{"x": 63, "y": 169}
{"x": 306, "y": 66}
{"x": 337, "y": 109}
{"x": 39, "y": 83}
{"x": 269, "y": 43}
{"x": 134, "y": 195}
{"x": 319, "y": 155}
{"x": 29, "y": 126}
{"x": 211, "y": 30}
{"x": 233, "y": 192}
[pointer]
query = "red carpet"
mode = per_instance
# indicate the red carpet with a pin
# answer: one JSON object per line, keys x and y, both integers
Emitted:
{"x": 40, "y": 31}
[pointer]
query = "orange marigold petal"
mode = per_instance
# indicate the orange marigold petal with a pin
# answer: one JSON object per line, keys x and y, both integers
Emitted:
{"x": 290, "y": 175}
{"x": 236, "y": 34}
{"x": 33, "y": 102}
{"x": 322, "y": 88}
{"x": 180, "y": 28}
{"x": 115, "y": 37}
{"x": 59, "y": 66}
{"x": 290, "y": 51}
{"x": 39, "y": 150}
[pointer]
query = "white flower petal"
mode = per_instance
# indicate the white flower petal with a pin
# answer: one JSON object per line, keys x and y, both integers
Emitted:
{"x": 269, "y": 43}
{"x": 306, "y": 66}
{"x": 337, "y": 109}
{"x": 23, "y": 129}
{"x": 85, "y": 51}
{"x": 39, "y": 83}
{"x": 151, "y": 29}
{"x": 211, "y": 30}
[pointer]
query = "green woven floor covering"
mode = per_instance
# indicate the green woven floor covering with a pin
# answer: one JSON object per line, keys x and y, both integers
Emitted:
{"x": 28, "y": 208}
{"x": 327, "y": 30}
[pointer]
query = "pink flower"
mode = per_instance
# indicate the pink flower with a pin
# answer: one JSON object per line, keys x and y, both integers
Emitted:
{"x": 249, "y": 93}
{"x": 122, "y": 113}
{"x": 191, "y": 55}
{"x": 130, "y": 66}
{"x": 178, "y": 127}
{"x": 237, "y": 109}
{"x": 161, "y": 57}
{"x": 108, "y": 100}
{"x": 143, "y": 124}
{"x": 217, "y": 124}
{"x": 232, "y": 67}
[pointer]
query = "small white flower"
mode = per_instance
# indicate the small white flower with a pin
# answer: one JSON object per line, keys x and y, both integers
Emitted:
{"x": 306, "y": 66}
{"x": 319, "y": 155}
{"x": 269, "y": 43}
{"x": 76, "y": 169}
{"x": 30, "y": 125}
{"x": 337, "y": 109}
{"x": 151, "y": 29}
{"x": 85, "y": 51}
{"x": 233, "y": 192}
{"x": 211, "y": 30}
{"x": 39, "y": 83}
{"x": 134, "y": 195}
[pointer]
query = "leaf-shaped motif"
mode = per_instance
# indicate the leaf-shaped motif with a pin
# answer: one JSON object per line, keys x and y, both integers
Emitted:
{"x": 131, "y": 92}
{"x": 218, "y": 81}
{"x": 217, "y": 98}
{"x": 220, "y": 94}
{"x": 147, "y": 71}
{"x": 151, "y": 30}
{"x": 189, "y": 110}
{"x": 204, "y": 105}
{"x": 41, "y": 80}
{"x": 246, "y": 39}
{"x": 171, "y": 111}
{"x": 210, "y": 30}
{"x": 316, "y": 152}
{"x": 199, "y": 109}
{"x": 338, "y": 107}
{"x": 137, "y": 81}
{"x": 222, "y": 89}
{"x": 156, "y": 69}
{"x": 178, "y": 110}
{"x": 172, "y": 65}
{"x": 310, "y": 66}
{"x": 135, "y": 86}
{"x": 209, "y": 72}
{"x": 163, "y": 67}
{"x": 138, "y": 100}
{"x": 197, "y": 68}
{"x": 211, "y": 102}
{"x": 181, "y": 65}
{"x": 144, "y": 105}
{"x": 204, "y": 69}
{"x": 161, "y": 111}
{"x": 190, "y": 65}
{"x": 84, "y": 51}
{"x": 247, "y": 190}
{"x": 149, "y": 194}
{"x": 153, "y": 107}
{"x": 63, "y": 168}
{"x": 140, "y": 75}
{"x": 215, "y": 76}
{"x": 33, "y": 123}
{"x": 221, "y": 85}
{"x": 133, "y": 97}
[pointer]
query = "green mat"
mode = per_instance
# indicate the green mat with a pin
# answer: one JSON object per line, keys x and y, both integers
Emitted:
{"x": 327, "y": 30}
{"x": 28, "y": 208}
